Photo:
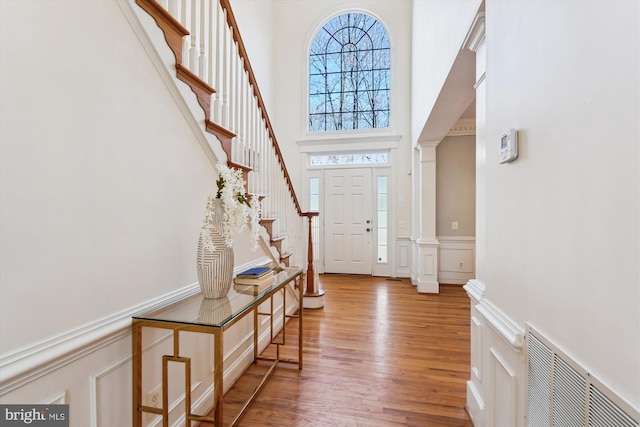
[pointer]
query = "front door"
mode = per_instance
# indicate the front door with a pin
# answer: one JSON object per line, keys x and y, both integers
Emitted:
{"x": 348, "y": 221}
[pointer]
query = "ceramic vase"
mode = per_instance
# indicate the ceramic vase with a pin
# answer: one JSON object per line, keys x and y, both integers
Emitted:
{"x": 215, "y": 268}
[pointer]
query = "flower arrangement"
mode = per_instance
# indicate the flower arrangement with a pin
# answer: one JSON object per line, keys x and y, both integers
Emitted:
{"x": 239, "y": 208}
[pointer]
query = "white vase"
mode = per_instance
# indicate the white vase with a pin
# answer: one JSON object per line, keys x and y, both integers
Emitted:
{"x": 215, "y": 268}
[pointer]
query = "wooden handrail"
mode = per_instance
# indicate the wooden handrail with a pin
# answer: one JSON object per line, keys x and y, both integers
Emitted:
{"x": 242, "y": 51}
{"x": 174, "y": 33}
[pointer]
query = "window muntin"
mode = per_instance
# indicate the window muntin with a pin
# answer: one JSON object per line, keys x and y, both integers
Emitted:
{"x": 349, "y": 75}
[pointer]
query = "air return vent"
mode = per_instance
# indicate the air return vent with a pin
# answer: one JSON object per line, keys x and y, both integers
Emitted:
{"x": 563, "y": 394}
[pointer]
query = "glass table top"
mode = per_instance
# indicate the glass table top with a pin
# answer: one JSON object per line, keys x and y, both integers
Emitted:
{"x": 217, "y": 312}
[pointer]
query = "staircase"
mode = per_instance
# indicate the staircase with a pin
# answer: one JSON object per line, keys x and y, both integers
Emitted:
{"x": 211, "y": 59}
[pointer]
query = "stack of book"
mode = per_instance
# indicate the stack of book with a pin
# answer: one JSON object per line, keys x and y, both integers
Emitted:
{"x": 254, "y": 280}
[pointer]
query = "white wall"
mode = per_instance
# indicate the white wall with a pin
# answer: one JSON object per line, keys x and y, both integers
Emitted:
{"x": 102, "y": 190}
{"x": 296, "y": 23}
{"x": 562, "y": 220}
{"x": 103, "y": 181}
{"x": 256, "y": 24}
{"x": 557, "y": 230}
{"x": 439, "y": 28}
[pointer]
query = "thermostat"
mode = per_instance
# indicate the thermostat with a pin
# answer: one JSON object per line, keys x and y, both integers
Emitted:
{"x": 508, "y": 146}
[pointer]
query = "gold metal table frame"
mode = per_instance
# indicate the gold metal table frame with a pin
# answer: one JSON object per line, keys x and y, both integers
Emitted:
{"x": 180, "y": 316}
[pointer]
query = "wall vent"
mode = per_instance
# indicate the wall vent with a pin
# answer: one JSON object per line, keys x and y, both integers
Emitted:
{"x": 562, "y": 393}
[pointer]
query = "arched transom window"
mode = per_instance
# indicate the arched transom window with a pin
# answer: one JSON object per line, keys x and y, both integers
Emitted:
{"x": 349, "y": 75}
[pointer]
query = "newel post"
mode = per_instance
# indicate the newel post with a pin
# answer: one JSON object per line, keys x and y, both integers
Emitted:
{"x": 312, "y": 298}
{"x": 310, "y": 272}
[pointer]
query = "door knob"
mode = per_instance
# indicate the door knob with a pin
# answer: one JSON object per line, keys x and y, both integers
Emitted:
{"x": 368, "y": 221}
{"x": 368, "y": 229}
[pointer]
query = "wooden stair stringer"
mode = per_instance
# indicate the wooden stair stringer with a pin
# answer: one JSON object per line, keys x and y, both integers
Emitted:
{"x": 174, "y": 34}
{"x": 199, "y": 87}
{"x": 276, "y": 242}
{"x": 172, "y": 29}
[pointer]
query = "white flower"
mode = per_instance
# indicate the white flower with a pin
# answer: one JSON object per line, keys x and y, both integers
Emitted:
{"x": 239, "y": 208}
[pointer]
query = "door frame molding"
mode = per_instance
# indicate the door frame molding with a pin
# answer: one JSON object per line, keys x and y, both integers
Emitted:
{"x": 387, "y": 269}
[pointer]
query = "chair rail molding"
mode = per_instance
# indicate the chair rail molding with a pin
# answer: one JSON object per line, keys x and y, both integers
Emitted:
{"x": 502, "y": 324}
{"x": 28, "y": 364}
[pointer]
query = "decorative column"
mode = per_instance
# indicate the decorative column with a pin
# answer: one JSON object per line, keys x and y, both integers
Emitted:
{"x": 426, "y": 279}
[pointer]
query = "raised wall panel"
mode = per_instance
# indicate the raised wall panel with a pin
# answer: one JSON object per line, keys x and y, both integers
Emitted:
{"x": 403, "y": 257}
{"x": 476, "y": 347}
{"x": 59, "y": 398}
{"x": 110, "y": 392}
{"x": 428, "y": 265}
{"x": 456, "y": 259}
{"x": 503, "y": 390}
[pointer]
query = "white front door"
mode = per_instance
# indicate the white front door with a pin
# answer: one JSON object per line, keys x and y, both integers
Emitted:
{"x": 348, "y": 221}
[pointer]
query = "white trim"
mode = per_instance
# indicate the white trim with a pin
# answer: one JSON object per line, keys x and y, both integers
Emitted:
{"x": 28, "y": 364}
{"x": 498, "y": 361}
{"x": 93, "y": 388}
{"x": 164, "y": 64}
{"x": 311, "y": 36}
{"x": 456, "y": 259}
{"x": 475, "y": 289}
{"x": 427, "y": 287}
{"x": 502, "y": 324}
{"x": 33, "y": 362}
{"x": 463, "y": 127}
{"x": 456, "y": 239}
{"x": 475, "y": 404}
{"x": 476, "y": 351}
{"x": 351, "y": 143}
{"x": 58, "y": 399}
{"x": 476, "y": 34}
{"x": 480, "y": 80}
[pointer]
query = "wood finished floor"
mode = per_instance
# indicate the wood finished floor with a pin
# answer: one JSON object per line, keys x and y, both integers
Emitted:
{"x": 377, "y": 354}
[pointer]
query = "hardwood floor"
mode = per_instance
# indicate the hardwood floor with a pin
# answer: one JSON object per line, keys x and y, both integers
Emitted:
{"x": 377, "y": 354}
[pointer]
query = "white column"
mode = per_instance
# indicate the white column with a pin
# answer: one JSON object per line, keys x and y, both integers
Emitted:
{"x": 427, "y": 243}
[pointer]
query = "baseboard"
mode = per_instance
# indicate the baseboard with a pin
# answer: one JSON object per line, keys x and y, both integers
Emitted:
{"x": 475, "y": 405}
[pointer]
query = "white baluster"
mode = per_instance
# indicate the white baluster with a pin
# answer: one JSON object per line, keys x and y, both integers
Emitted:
{"x": 224, "y": 119}
{"x": 193, "y": 38}
{"x": 173, "y": 7}
{"x": 212, "y": 26}
{"x": 239, "y": 109}
{"x": 205, "y": 26}
{"x": 185, "y": 40}
{"x": 219, "y": 38}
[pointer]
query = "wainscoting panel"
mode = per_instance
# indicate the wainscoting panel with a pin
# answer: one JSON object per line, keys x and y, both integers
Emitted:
{"x": 403, "y": 262}
{"x": 456, "y": 259}
{"x": 476, "y": 347}
{"x": 497, "y": 388}
{"x": 106, "y": 407}
{"x": 504, "y": 391}
{"x": 90, "y": 369}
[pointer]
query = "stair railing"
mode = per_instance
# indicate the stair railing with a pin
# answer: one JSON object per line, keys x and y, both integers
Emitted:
{"x": 211, "y": 57}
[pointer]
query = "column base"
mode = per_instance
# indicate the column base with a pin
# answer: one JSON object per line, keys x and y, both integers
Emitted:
{"x": 313, "y": 300}
{"x": 426, "y": 287}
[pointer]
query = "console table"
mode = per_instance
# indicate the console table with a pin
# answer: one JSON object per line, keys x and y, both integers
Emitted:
{"x": 213, "y": 316}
